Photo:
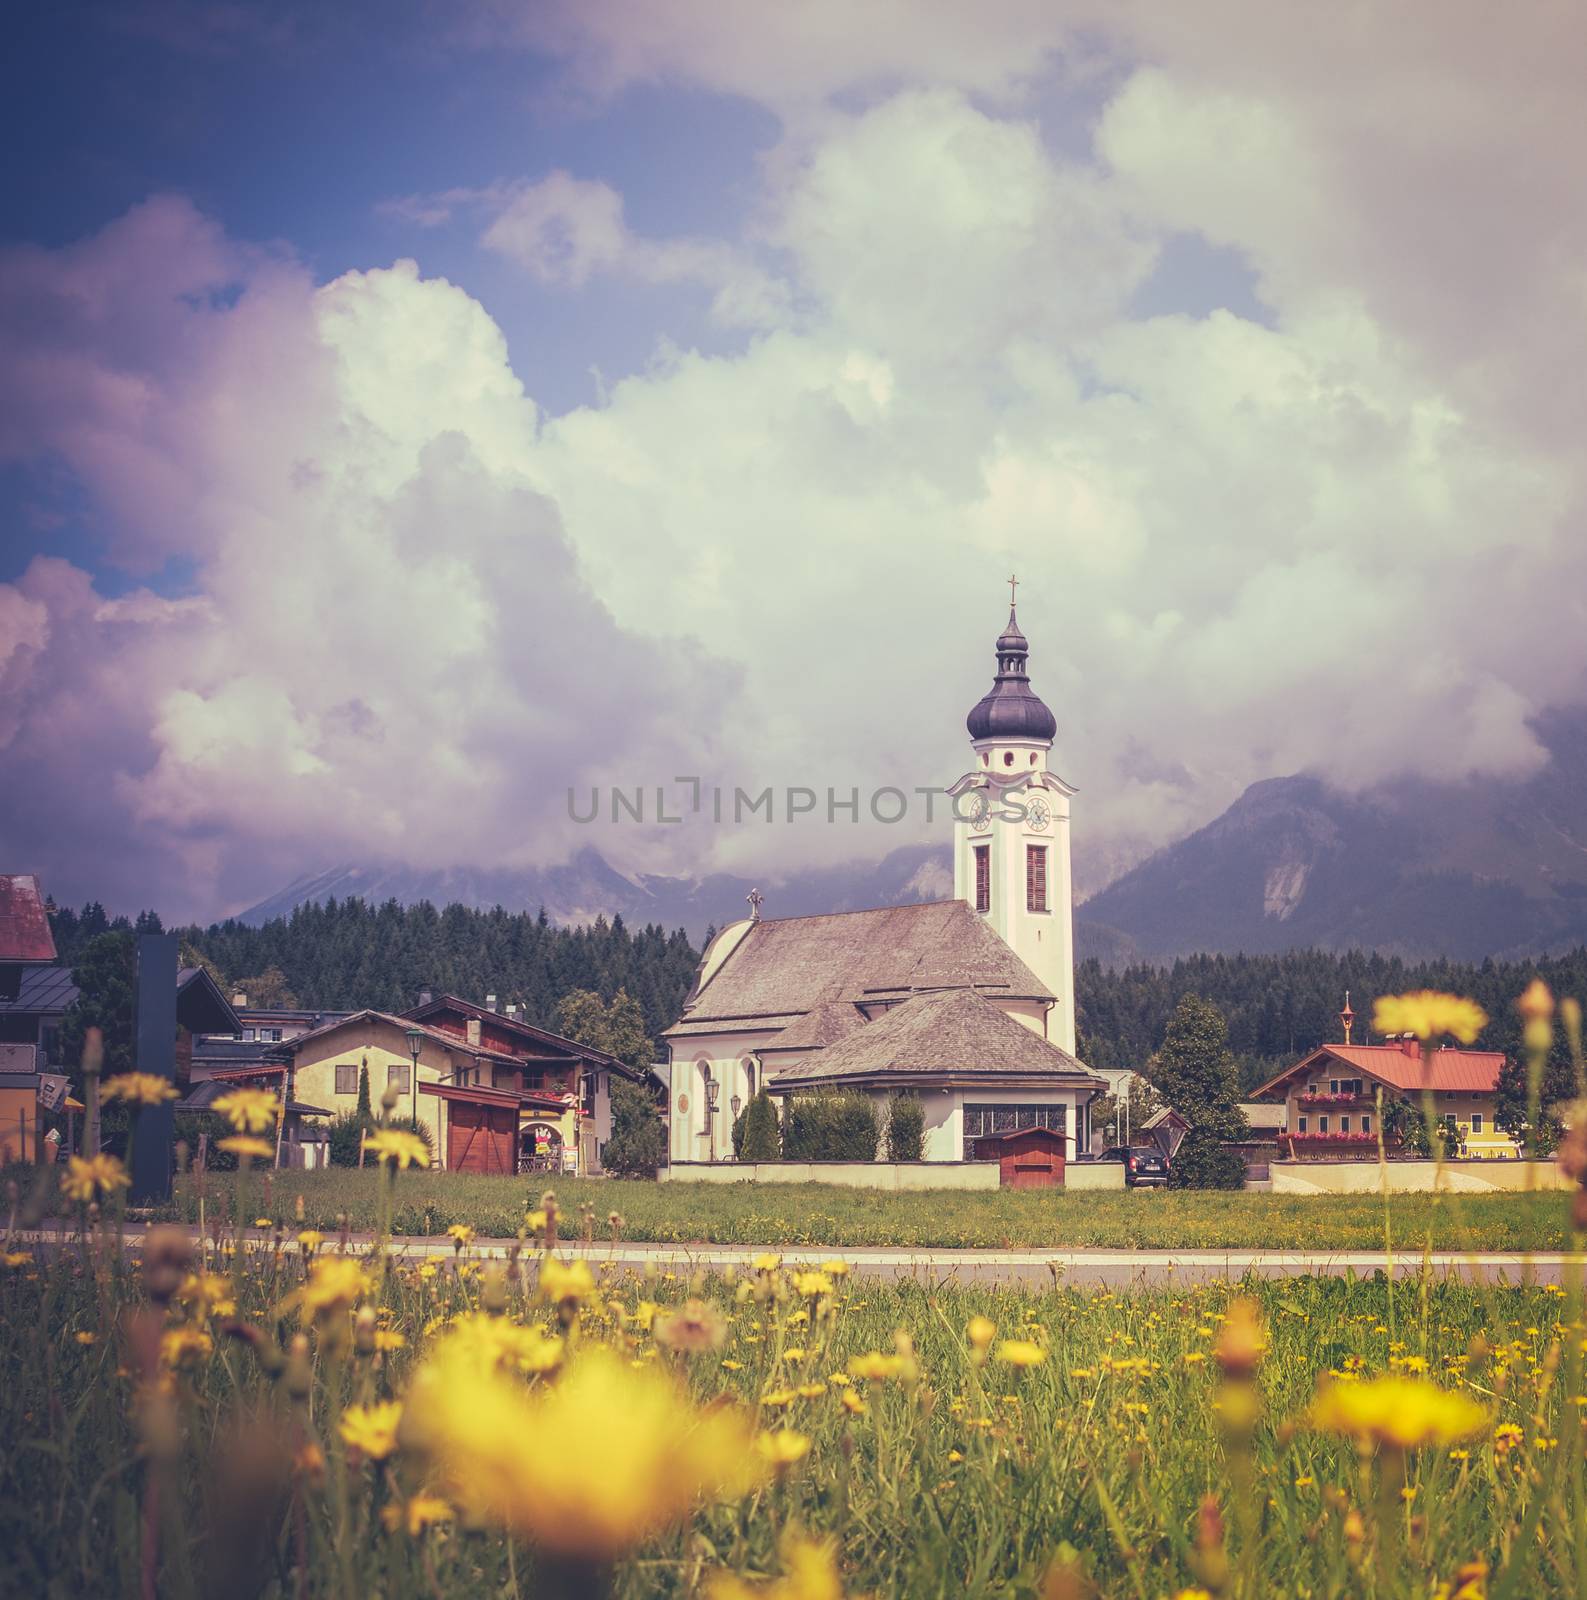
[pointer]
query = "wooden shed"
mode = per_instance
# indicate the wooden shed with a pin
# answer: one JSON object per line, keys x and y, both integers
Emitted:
{"x": 1028, "y": 1158}
{"x": 481, "y": 1127}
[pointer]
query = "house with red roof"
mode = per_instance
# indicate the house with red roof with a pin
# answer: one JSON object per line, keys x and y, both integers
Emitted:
{"x": 1330, "y": 1097}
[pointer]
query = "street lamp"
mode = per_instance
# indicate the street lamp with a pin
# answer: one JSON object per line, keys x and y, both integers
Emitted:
{"x": 415, "y": 1044}
{"x": 712, "y": 1090}
{"x": 736, "y": 1103}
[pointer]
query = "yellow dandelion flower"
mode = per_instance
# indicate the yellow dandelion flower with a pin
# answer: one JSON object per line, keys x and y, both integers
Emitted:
{"x": 782, "y": 1448}
{"x": 766, "y": 1261}
{"x": 371, "y": 1431}
{"x": 632, "y": 1455}
{"x": 981, "y": 1332}
{"x": 808, "y": 1391}
{"x": 1399, "y": 1412}
{"x": 244, "y": 1144}
{"x": 83, "y": 1336}
{"x": 875, "y": 1367}
{"x": 422, "y": 1512}
{"x": 812, "y": 1285}
{"x": 810, "y": 1572}
{"x": 461, "y": 1235}
{"x": 87, "y": 1180}
{"x": 334, "y": 1286}
{"x": 248, "y": 1110}
{"x": 777, "y": 1399}
{"x": 185, "y": 1346}
{"x": 138, "y": 1089}
{"x": 398, "y": 1146}
{"x": 388, "y": 1339}
{"x": 309, "y": 1241}
{"x": 694, "y": 1328}
{"x": 1021, "y": 1353}
{"x": 1429, "y": 1015}
{"x": 837, "y": 1267}
{"x": 852, "y": 1403}
{"x": 565, "y": 1282}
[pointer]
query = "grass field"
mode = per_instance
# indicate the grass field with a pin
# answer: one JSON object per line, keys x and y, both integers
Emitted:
{"x": 813, "y": 1215}
{"x": 443, "y": 1431}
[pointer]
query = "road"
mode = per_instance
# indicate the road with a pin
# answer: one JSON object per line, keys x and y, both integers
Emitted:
{"x": 1114, "y": 1269}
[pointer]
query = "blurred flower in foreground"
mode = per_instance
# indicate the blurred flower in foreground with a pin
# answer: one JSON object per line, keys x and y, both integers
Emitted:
{"x": 335, "y": 1285}
{"x": 87, "y": 1180}
{"x": 421, "y": 1512}
{"x": 138, "y": 1089}
{"x": 695, "y": 1327}
{"x": 371, "y": 1430}
{"x": 248, "y": 1110}
{"x": 1402, "y": 1413}
{"x": 1429, "y": 1015}
{"x": 1021, "y": 1353}
{"x": 631, "y": 1453}
{"x": 245, "y": 1144}
{"x": 398, "y": 1146}
{"x": 810, "y": 1572}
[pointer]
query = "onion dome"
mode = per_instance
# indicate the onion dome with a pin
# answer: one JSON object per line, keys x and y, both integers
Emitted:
{"x": 1011, "y": 709}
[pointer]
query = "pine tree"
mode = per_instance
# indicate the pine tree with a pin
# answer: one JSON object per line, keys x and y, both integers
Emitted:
{"x": 762, "y": 1139}
{"x": 364, "y": 1111}
{"x": 1195, "y": 1071}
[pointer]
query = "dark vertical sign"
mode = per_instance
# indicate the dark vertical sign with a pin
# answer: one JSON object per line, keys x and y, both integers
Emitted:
{"x": 151, "y": 1151}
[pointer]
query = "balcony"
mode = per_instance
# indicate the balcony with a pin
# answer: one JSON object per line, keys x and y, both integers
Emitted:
{"x": 1342, "y": 1099}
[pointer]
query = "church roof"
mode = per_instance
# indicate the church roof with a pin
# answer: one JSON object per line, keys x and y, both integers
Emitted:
{"x": 820, "y": 1026}
{"x": 1011, "y": 709}
{"x": 785, "y": 967}
{"x": 956, "y": 1033}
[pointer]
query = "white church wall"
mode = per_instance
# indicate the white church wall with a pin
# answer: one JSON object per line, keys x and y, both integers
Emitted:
{"x": 726, "y": 1059}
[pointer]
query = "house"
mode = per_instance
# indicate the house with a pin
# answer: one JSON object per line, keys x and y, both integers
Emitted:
{"x": 301, "y": 1141}
{"x": 496, "y": 1092}
{"x": 1166, "y": 1128}
{"x": 1329, "y": 1097}
{"x": 25, "y": 938}
{"x": 968, "y": 1002}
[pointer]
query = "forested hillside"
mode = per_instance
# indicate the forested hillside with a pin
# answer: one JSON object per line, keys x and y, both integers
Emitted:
{"x": 1280, "y": 1006}
{"x": 347, "y": 954}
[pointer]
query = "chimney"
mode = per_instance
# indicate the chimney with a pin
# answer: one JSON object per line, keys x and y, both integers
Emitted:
{"x": 512, "y": 1010}
{"x": 240, "y": 999}
{"x": 490, "y": 1002}
{"x": 1411, "y": 1046}
{"x": 425, "y": 997}
{"x": 471, "y": 1031}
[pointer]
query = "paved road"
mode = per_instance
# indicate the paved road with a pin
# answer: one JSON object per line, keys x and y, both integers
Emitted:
{"x": 1117, "y": 1269}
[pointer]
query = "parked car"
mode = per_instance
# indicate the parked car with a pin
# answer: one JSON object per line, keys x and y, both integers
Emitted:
{"x": 1143, "y": 1164}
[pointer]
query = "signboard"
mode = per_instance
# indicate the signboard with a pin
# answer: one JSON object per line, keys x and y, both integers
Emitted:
{"x": 52, "y": 1090}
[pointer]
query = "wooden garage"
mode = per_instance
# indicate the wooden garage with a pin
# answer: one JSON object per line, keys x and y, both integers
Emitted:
{"x": 481, "y": 1127}
{"x": 1028, "y": 1158}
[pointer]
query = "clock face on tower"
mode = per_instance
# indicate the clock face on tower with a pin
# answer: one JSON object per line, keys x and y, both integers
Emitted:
{"x": 1038, "y": 814}
{"x": 980, "y": 813}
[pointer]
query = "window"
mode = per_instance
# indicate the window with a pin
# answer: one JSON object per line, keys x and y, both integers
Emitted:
{"x": 1322, "y": 1123}
{"x": 247, "y": 1033}
{"x": 979, "y": 1121}
{"x": 1344, "y": 1124}
{"x": 1008, "y": 758}
{"x": 397, "y": 1077}
{"x": 1366, "y": 1124}
{"x": 983, "y": 877}
{"x": 1333, "y": 1086}
{"x": 1300, "y": 1123}
{"x": 1035, "y": 877}
{"x": 1476, "y": 1122}
{"x": 275, "y": 1035}
{"x": 346, "y": 1077}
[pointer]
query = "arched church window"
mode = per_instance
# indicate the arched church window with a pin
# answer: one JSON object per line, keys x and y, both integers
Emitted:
{"x": 749, "y": 1077}
{"x": 985, "y": 758}
{"x": 1033, "y": 758}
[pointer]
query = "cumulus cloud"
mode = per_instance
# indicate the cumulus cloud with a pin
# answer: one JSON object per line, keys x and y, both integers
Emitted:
{"x": 1343, "y": 538}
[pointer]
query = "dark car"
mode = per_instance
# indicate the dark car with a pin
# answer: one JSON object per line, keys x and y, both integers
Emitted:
{"x": 1143, "y": 1164}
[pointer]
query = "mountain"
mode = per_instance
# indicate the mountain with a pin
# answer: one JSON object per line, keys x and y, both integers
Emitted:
{"x": 588, "y": 886}
{"x": 1466, "y": 870}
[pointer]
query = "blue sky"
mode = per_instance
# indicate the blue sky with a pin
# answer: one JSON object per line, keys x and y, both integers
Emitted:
{"x": 742, "y": 354}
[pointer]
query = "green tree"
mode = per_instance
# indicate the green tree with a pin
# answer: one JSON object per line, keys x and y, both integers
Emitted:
{"x": 906, "y": 1129}
{"x": 106, "y": 975}
{"x": 1513, "y": 1101}
{"x": 762, "y": 1138}
{"x": 268, "y": 991}
{"x": 364, "y": 1111}
{"x": 1195, "y": 1071}
{"x": 638, "y": 1144}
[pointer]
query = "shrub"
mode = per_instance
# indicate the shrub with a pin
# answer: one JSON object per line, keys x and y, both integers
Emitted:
{"x": 638, "y": 1144}
{"x": 346, "y": 1134}
{"x": 906, "y": 1129}
{"x": 831, "y": 1127}
{"x": 762, "y": 1138}
{"x": 1204, "y": 1162}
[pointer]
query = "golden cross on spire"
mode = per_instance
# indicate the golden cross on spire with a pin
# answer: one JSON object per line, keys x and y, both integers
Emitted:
{"x": 1013, "y": 584}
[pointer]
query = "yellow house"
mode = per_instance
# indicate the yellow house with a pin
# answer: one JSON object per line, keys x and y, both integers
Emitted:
{"x": 1330, "y": 1098}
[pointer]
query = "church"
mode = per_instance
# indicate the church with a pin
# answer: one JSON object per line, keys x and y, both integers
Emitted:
{"x": 967, "y": 1003}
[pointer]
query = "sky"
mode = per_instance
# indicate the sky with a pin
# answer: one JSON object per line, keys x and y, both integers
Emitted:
{"x": 412, "y": 414}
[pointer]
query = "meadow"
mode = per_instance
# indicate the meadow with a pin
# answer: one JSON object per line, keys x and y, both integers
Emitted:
{"x": 298, "y": 1422}
{"x": 825, "y": 1216}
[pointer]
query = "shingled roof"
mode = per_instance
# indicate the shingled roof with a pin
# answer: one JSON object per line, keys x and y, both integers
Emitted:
{"x": 820, "y": 1026}
{"x": 954, "y": 1034}
{"x": 785, "y": 967}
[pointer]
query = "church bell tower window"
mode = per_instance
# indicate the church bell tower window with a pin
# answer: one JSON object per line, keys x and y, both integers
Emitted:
{"x": 983, "y": 877}
{"x": 1035, "y": 877}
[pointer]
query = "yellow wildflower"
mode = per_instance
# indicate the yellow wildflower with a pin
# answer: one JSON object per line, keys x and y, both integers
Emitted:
{"x": 981, "y": 1331}
{"x": 371, "y": 1431}
{"x": 83, "y": 1337}
{"x": 310, "y": 1240}
{"x": 138, "y": 1089}
{"x": 835, "y": 1268}
{"x": 874, "y": 1367}
{"x": 1021, "y": 1353}
{"x": 388, "y": 1339}
{"x": 248, "y": 1110}
{"x": 334, "y": 1286}
{"x": 88, "y": 1180}
{"x": 810, "y": 1572}
{"x": 487, "y": 1343}
{"x": 812, "y": 1285}
{"x": 695, "y": 1327}
{"x": 1429, "y": 1015}
{"x": 185, "y": 1346}
{"x": 398, "y": 1146}
{"x": 1397, "y": 1411}
{"x": 782, "y": 1448}
{"x": 244, "y": 1144}
{"x": 778, "y": 1398}
{"x": 632, "y": 1453}
{"x": 421, "y": 1512}
{"x": 461, "y": 1235}
{"x": 766, "y": 1261}
{"x": 18, "y": 1258}
{"x": 565, "y": 1283}
{"x": 853, "y": 1403}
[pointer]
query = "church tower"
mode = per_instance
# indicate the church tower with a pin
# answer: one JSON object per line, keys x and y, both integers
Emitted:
{"x": 1011, "y": 830}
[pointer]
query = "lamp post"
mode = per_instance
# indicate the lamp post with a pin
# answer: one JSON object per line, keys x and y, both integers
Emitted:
{"x": 712, "y": 1090}
{"x": 415, "y": 1044}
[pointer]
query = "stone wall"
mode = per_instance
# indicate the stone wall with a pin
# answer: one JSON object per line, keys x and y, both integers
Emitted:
{"x": 849, "y": 1174}
{"x": 1412, "y": 1177}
